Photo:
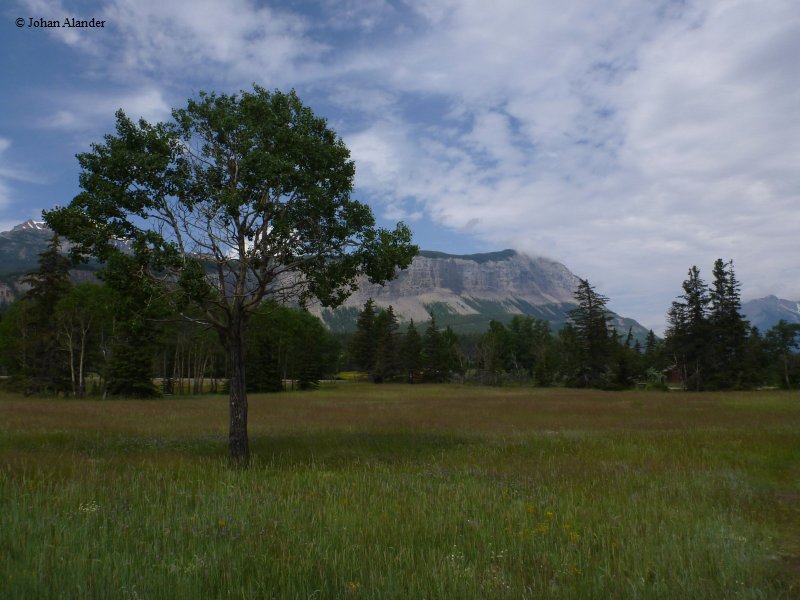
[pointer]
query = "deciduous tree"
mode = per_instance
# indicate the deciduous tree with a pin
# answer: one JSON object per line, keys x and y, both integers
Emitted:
{"x": 238, "y": 198}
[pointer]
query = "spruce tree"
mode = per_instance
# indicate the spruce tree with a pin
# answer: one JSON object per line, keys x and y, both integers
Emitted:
{"x": 386, "y": 353}
{"x": 687, "y": 335}
{"x": 364, "y": 343}
{"x": 411, "y": 351}
{"x": 728, "y": 329}
{"x": 590, "y": 320}
{"x": 47, "y": 367}
{"x": 433, "y": 358}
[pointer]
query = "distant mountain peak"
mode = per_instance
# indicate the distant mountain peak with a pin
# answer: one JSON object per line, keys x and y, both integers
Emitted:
{"x": 766, "y": 312}
{"x": 30, "y": 224}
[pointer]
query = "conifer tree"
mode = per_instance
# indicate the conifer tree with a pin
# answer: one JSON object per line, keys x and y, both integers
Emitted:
{"x": 433, "y": 358}
{"x": 364, "y": 344}
{"x": 386, "y": 352}
{"x": 728, "y": 328}
{"x": 687, "y": 334}
{"x": 411, "y": 351}
{"x": 590, "y": 320}
{"x": 46, "y": 365}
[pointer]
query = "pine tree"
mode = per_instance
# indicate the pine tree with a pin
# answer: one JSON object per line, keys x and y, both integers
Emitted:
{"x": 411, "y": 351}
{"x": 433, "y": 358}
{"x": 46, "y": 365}
{"x": 687, "y": 335}
{"x": 386, "y": 352}
{"x": 363, "y": 345}
{"x": 590, "y": 320}
{"x": 728, "y": 329}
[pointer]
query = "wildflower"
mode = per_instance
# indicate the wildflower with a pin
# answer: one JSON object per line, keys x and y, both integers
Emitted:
{"x": 549, "y": 514}
{"x": 221, "y": 523}
{"x": 89, "y": 507}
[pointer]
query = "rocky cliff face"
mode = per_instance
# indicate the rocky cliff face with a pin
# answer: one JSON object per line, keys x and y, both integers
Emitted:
{"x": 507, "y": 282}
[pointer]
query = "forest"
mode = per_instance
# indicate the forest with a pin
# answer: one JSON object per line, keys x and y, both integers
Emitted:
{"x": 107, "y": 339}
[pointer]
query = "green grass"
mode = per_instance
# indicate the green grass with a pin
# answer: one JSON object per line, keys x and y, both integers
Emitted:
{"x": 362, "y": 491}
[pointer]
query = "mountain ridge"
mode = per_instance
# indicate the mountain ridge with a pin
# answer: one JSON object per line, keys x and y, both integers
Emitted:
{"x": 465, "y": 291}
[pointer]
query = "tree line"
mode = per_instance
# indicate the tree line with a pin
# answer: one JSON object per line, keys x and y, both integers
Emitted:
{"x": 95, "y": 338}
{"x": 708, "y": 345}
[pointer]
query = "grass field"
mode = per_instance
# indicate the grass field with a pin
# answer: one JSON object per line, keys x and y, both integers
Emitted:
{"x": 362, "y": 491}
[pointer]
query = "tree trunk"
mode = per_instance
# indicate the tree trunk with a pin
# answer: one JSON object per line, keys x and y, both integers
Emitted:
{"x": 238, "y": 442}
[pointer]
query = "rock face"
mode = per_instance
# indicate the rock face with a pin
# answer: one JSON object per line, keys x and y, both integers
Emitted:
{"x": 445, "y": 284}
{"x": 765, "y": 313}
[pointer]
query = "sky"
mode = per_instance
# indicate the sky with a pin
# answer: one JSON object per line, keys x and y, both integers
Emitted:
{"x": 627, "y": 139}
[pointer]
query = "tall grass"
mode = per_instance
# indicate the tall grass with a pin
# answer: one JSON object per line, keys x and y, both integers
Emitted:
{"x": 360, "y": 491}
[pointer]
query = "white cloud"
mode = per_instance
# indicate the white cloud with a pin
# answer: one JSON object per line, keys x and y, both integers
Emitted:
{"x": 235, "y": 41}
{"x": 627, "y": 139}
{"x": 10, "y": 171}
{"x": 627, "y": 142}
{"x": 87, "y": 111}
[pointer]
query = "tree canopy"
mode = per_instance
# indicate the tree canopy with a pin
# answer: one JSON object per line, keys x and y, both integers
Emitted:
{"x": 238, "y": 198}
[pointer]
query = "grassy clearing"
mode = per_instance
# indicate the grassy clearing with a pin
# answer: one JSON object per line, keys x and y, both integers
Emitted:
{"x": 361, "y": 491}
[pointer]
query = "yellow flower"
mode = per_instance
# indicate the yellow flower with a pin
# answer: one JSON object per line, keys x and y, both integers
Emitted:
{"x": 549, "y": 514}
{"x": 221, "y": 522}
{"x": 353, "y": 587}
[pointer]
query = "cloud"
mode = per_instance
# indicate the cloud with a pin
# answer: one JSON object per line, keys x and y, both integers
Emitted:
{"x": 88, "y": 111}
{"x": 626, "y": 141}
{"x": 11, "y": 171}
{"x": 235, "y": 41}
{"x": 5, "y": 174}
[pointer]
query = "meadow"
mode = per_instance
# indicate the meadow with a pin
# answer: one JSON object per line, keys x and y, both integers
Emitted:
{"x": 399, "y": 491}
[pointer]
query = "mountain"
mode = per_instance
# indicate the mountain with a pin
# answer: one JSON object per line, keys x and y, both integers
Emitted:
{"x": 19, "y": 255}
{"x": 765, "y": 313}
{"x": 463, "y": 291}
{"x": 468, "y": 291}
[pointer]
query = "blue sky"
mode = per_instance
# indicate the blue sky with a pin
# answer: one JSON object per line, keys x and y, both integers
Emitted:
{"x": 627, "y": 139}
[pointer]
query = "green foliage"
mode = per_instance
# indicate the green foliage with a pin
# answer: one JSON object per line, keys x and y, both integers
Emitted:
{"x": 237, "y": 199}
{"x": 593, "y": 338}
{"x": 387, "y": 360}
{"x": 781, "y": 342}
{"x": 364, "y": 342}
{"x": 411, "y": 350}
{"x": 41, "y": 367}
{"x": 285, "y": 343}
{"x": 707, "y": 336}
